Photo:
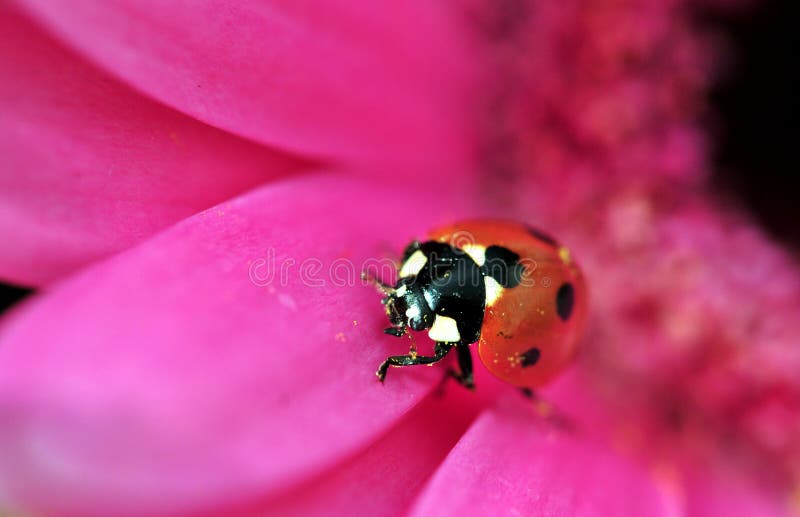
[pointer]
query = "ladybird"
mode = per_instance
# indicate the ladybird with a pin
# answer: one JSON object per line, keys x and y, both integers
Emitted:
{"x": 511, "y": 289}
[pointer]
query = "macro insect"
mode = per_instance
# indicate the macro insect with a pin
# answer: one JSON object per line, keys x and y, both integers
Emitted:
{"x": 511, "y": 289}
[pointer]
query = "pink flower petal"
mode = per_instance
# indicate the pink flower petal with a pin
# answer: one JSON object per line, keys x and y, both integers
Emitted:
{"x": 341, "y": 78}
{"x": 90, "y": 167}
{"x": 178, "y": 374}
{"x": 512, "y": 463}
{"x": 386, "y": 477}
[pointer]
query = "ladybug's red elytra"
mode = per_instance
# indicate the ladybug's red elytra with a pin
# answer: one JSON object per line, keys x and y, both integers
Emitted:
{"x": 513, "y": 290}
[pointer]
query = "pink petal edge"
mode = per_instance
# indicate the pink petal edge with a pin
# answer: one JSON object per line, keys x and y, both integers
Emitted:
{"x": 90, "y": 167}
{"x": 384, "y": 478}
{"x": 342, "y": 79}
{"x": 511, "y": 462}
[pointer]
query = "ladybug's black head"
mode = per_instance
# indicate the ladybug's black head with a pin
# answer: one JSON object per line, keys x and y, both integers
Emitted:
{"x": 443, "y": 289}
{"x": 406, "y": 306}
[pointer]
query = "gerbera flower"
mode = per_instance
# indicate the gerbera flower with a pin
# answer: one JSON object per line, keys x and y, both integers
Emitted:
{"x": 196, "y": 187}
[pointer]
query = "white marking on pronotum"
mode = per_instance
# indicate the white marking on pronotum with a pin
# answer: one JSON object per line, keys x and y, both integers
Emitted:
{"x": 413, "y": 265}
{"x": 476, "y": 253}
{"x": 412, "y": 312}
{"x": 493, "y": 290}
{"x": 401, "y": 291}
{"x": 444, "y": 330}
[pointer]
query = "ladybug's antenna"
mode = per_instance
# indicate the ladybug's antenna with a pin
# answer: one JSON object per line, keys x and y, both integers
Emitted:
{"x": 381, "y": 286}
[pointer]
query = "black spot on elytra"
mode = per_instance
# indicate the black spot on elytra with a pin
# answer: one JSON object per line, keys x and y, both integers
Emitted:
{"x": 503, "y": 265}
{"x": 542, "y": 236}
{"x": 565, "y": 301}
{"x": 530, "y": 357}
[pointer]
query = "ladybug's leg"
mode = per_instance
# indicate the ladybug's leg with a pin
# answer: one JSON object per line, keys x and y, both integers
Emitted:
{"x": 395, "y": 331}
{"x": 439, "y": 352}
{"x": 464, "y": 375}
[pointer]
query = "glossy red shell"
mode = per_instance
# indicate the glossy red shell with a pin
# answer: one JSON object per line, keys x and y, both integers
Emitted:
{"x": 527, "y": 316}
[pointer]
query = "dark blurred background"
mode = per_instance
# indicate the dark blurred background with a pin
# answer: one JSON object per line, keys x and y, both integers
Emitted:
{"x": 754, "y": 122}
{"x": 755, "y": 105}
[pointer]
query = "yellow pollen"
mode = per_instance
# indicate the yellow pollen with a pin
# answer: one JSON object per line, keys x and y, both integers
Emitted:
{"x": 564, "y": 255}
